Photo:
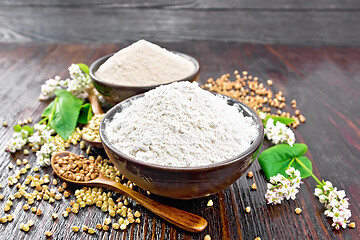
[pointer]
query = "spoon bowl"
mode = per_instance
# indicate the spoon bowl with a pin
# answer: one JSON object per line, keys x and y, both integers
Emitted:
{"x": 94, "y": 144}
{"x": 182, "y": 219}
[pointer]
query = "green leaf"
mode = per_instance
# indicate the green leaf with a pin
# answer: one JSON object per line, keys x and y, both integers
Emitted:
{"x": 48, "y": 109}
{"x": 280, "y": 157}
{"x": 83, "y": 67}
{"x": 63, "y": 113}
{"x": 85, "y": 114}
{"x": 305, "y": 161}
{"x": 18, "y": 128}
{"x": 29, "y": 129}
{"x": 284, "y": 120}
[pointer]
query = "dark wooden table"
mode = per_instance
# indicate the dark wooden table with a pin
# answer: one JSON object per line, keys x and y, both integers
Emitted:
{"x": 301, "y": 22}
{"x": 324, "y": 80}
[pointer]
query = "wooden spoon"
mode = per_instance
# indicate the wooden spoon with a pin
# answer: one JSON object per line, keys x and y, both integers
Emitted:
{"x": 185, "y": 220}
{"x": 96, "y": 108}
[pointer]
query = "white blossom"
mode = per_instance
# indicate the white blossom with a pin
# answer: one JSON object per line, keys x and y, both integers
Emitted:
{"x": 43, "y": 141}
{"x": 18, "y": 141}
{"x": 279, "y": 133}
{"x": 262, "y": 115}
{"x": 77, "y": 84}
{"x": 336, "y": 203}
{"x": 44, "y": 154}
{"x": 281, "y": 187}
{"x": 42, "y": 134}
{"x": 48, "y": 89}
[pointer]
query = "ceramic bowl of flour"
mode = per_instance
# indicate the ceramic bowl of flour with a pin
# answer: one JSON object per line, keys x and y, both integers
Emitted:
{"x": 182, "y": 182}
{"x": 115, "y": 93}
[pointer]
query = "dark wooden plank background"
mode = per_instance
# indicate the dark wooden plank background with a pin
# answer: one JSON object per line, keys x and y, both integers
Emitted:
{"x": 303, "y": 22}
{"x": 325, "y": 82}
{"x": 323, "y": 79}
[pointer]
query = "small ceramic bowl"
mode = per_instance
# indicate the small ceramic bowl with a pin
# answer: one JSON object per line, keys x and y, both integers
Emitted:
{"x": 114, "y": 93}
{"x": 182, "y": 182}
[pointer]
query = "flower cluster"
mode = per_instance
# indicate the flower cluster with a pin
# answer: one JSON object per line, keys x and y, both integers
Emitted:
{"x": 279, "y": 133}
{"x": 44, "y": 154}
{"x": 41, "y": 139}
{"x": 77, "y": 84}
{"x": 18, "y": 141}
{"x": 42, "y": 134}
{"x": 281, "y": 187}
{"x": 337, "y": 206}
{"x": 262, "y": 115}
{"x": 43, "y": 142}
{"x": 48, "y": 89}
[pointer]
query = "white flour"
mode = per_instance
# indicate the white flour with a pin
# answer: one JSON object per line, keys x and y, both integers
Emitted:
{"x": 181, "y": 125}
{"x": 144, "y": 64}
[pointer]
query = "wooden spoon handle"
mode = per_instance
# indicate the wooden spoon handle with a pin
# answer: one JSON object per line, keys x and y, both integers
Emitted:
{"x": 94, "y": 101}
{"x": 182, "y": 219}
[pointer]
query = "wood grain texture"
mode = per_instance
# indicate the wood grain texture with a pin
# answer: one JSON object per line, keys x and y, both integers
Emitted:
{"x": 303, "y": 22}
{"x": 323, "y": 80}
{"x": 198, "y": 4}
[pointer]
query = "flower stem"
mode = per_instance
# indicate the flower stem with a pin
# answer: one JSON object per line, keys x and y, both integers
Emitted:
{"x": 42, "y": 120}
{"x": 53, "y": 111}
{"x": 310, "y": 172}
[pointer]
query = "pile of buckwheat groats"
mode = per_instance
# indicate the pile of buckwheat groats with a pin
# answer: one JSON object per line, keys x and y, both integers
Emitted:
{"x": 35, "y": 188}
{"x": 252, "y": 92}
{"x": 91, "y": 131}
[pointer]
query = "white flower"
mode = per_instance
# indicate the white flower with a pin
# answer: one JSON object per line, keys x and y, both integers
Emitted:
{"x": 336, "y": 204}
{"x": 44, "y": 154}
{"x": 291, "y": 193}
{"x": 42, "y": 134}
{"x": 327, "y": 186}
{"x": 77, "y": 84}
{"x": 318, "y": 192}
{"x": 279, "y": 133}
{"x": 18, "y": 141}
{"x": 262, "y": 115}
{"x": 341, "y": 194}
{"x": 323, "y": 198}
{"x": 273, "y": 198}
{"x": 281, "y": 187}
{"x": 48, "y": 89}
{"x": 44, "y": 143}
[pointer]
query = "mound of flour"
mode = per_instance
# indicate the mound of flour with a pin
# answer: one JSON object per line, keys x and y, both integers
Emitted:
{"x": 181, "y": 125}
{"x": 144, "y": 64}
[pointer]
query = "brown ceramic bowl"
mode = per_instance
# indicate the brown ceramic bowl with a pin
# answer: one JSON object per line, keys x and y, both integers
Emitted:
{"x": 114, "y": 93}
{"x": 182, "y": 182}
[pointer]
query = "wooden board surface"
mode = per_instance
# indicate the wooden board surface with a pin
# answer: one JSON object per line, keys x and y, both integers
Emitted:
{"x": 302, "y": 22}
{"x": 323, "y": 80}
